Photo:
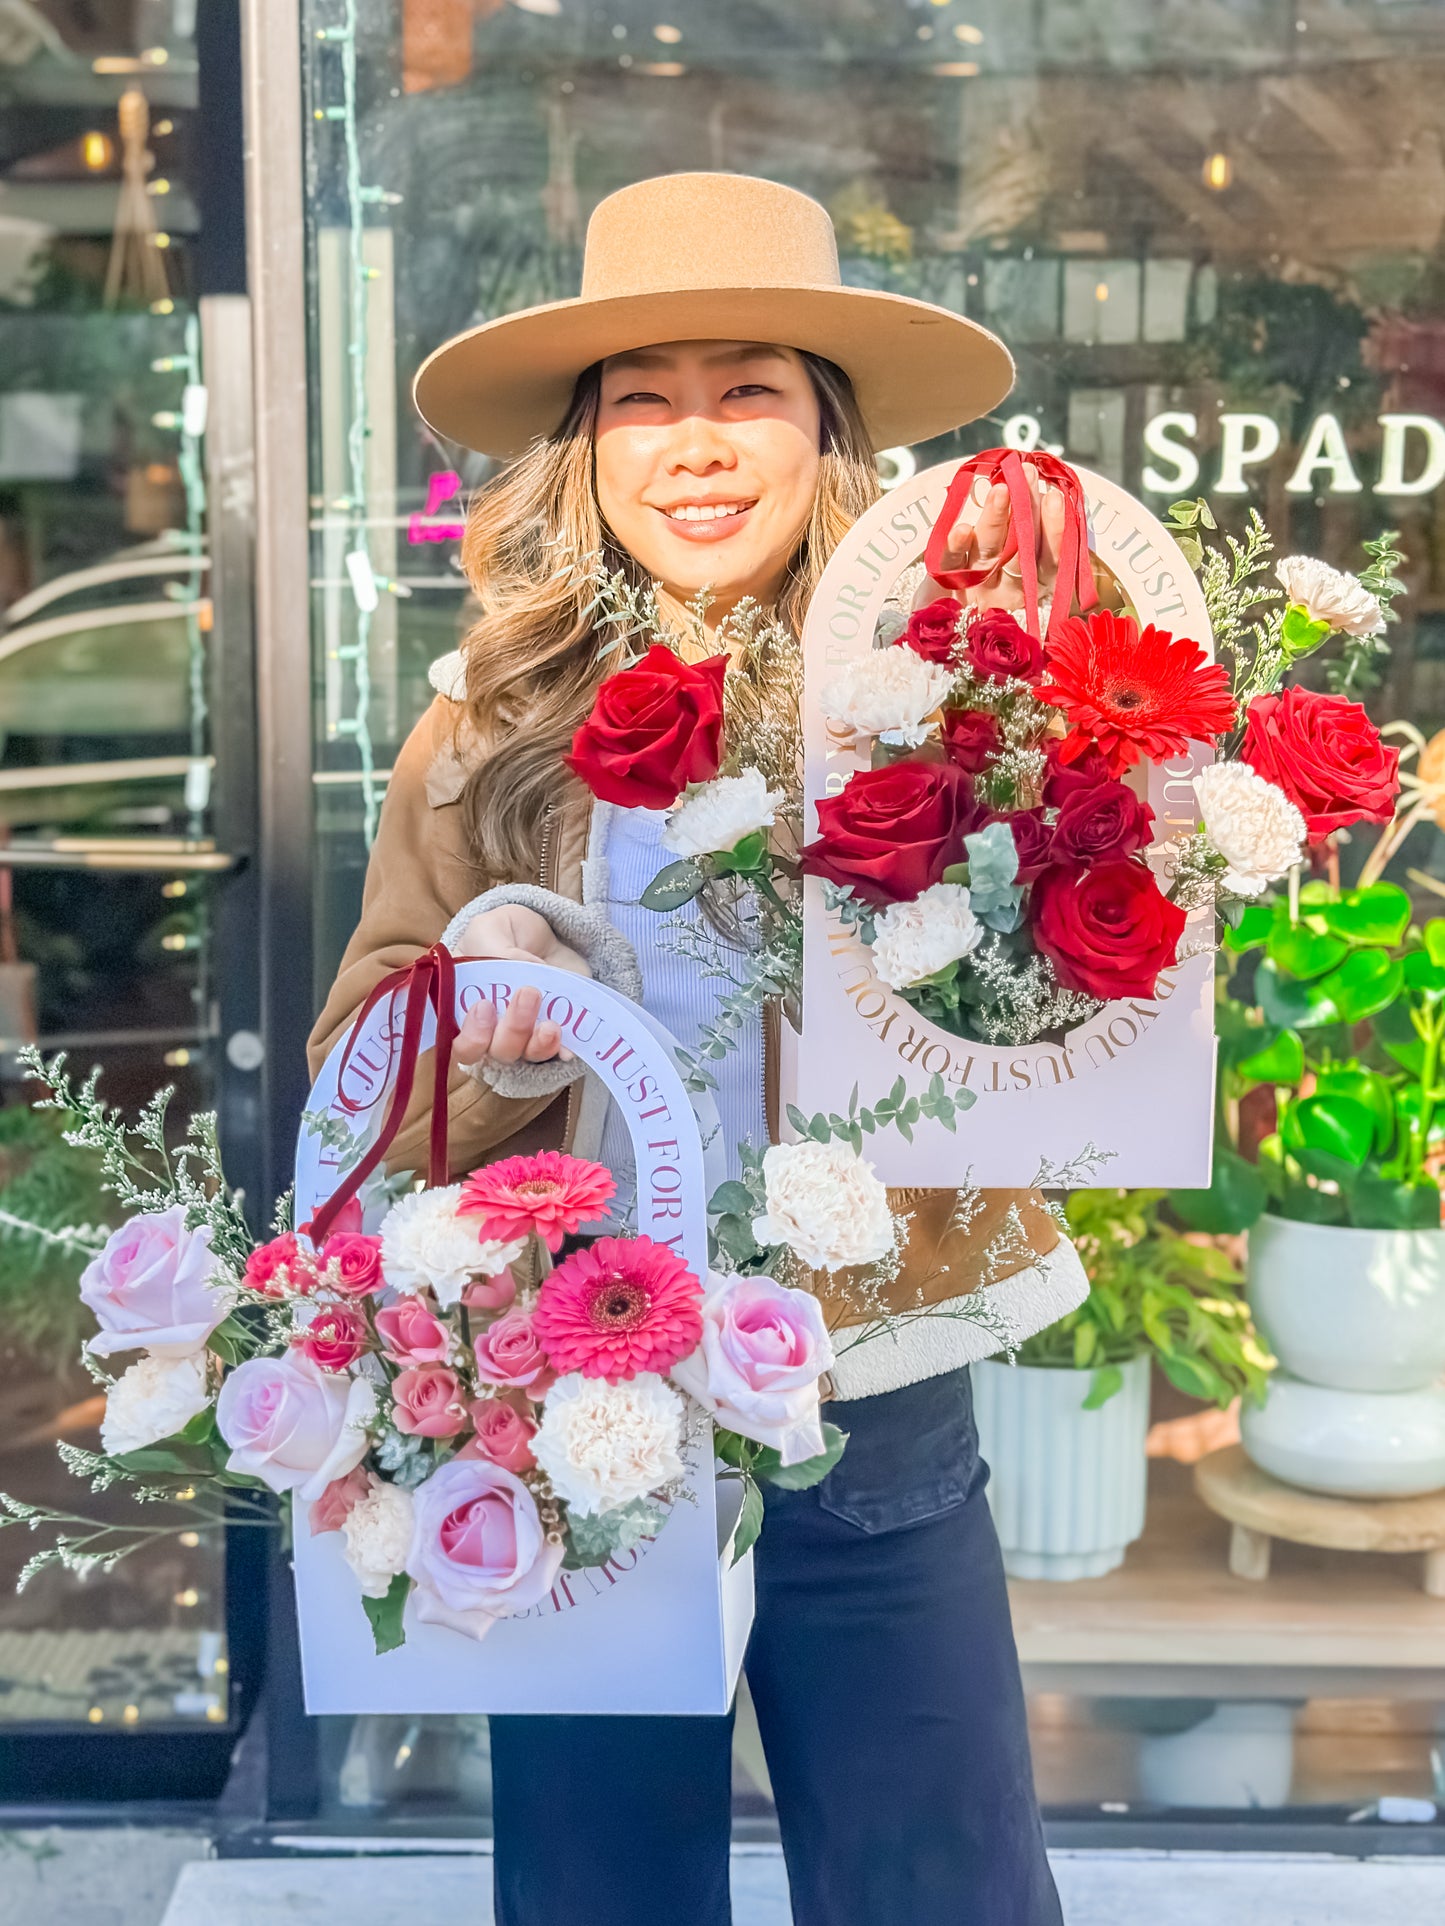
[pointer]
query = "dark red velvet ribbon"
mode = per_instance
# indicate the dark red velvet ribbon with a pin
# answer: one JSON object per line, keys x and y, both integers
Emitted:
{"x": 1006, "y": 465}
{"x": 431, "y": 979}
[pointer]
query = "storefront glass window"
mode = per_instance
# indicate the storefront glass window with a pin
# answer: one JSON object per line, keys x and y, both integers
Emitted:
{"x": 1212, "y": 237}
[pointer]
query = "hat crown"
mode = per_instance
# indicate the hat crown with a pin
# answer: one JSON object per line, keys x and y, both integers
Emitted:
{"x": 680, "y": 231}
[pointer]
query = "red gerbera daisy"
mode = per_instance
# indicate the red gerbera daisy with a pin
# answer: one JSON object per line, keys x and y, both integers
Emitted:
{"x": 1133, "y": 694}
{"x": 549, "y": 1193}
{"x": 621, "y": 1306}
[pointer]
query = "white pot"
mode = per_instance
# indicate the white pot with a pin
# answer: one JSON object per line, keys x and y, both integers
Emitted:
{"x": 1241, "y": 1755}
{"x": 1352, "y": 1444}
{"x": 1360, "y": 1310}
{"x": 1067, "y": 1486}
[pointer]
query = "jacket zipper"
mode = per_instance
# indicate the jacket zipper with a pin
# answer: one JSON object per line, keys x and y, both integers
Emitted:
{"x": 544, "y": 864}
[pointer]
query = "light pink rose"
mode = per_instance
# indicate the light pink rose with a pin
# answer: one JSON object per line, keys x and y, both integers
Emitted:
{"x": 478, "y": 1551}
{"x": 293, "y": 1425}
{"x": 763, "y": 1349}
{"x": 427, "y": 1401}
{"x": 490, "y": 1293}
{"x": 331, "y": 1510}
{"x": 503, "y": 1435}
{"x": 411, "y": 1334}
{"x": 152, "y": 1287}
{"x": 508, "y": 1353}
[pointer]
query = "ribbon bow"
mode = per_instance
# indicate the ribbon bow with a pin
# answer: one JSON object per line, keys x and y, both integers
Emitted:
{"x": 431, "y": 979}
{"x": 1006, "y": 465}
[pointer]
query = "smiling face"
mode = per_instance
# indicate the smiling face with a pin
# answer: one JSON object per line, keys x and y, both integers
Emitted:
{"x": 707, "y": 464}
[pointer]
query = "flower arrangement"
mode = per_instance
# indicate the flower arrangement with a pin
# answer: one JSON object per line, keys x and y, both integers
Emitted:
{"x": 472, "y": 1407}
{"x": 995, "y": 854}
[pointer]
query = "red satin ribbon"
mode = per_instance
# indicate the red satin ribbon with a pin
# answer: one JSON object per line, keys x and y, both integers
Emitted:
{"x": 432, "y": 979}
{"x": 1006, "y": 465}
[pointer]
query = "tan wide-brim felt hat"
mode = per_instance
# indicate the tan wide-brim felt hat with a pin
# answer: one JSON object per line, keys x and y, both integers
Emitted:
{"x": 713, "y": 257}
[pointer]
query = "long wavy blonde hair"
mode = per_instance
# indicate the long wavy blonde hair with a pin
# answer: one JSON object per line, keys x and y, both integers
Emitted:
{"x": 534, "y": 657}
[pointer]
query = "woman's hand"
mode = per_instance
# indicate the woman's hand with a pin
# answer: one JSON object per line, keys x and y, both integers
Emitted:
{"x": 517, "y": 935}
{"x": 978, "y": 537}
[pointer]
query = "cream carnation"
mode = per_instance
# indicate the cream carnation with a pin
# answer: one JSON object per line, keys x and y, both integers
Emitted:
{"x": 1330, "y": 595}
{"x": 1254, "y": 826}
{"x": 915, "y": 939}
{"x": 378, "y": 1531}
{"x": 153, "y": 1399}
{"x": 825, "y": 1204}
{"x": 888, "y": 692}
{"x": 425, "y": 1243}
{"x": 603, "y": 1445}
{"x": 720, "y": 813}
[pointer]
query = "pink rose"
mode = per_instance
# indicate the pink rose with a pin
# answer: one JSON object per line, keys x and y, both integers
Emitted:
{"x": 335, "y": 1338}
{"x": 411, "y": 1334}
{"x": 763, "y": 1349}
{"x": 331, "y": 1510}
{"x": 293, "y": 1425}
{"x": 503, "y": 1435}
{"x": 351, "y": 1263}
{"x": 508, "y": 1353}
{"x": 490, "y": 1293}
{"x": 427, "y": 1401}
{"x": 153, "y": 1287}
{"x": 478, "y": 1551}
{"x": 278, "y": 1267}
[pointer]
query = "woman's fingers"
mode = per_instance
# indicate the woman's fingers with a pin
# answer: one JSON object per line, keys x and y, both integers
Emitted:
{"x": 1051, "y": 520}
{"x": 474, "y": 1039}
{"x": 509, "y": 1036}
{"x": 990, "y": 531}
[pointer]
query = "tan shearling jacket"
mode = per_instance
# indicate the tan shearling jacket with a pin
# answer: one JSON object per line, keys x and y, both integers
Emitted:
{"x": 422, "y": 873}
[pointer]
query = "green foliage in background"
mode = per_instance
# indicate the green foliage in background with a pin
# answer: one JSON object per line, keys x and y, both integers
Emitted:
{"x": 52, "y": 1217}
{"x": 1151, "y": 1289}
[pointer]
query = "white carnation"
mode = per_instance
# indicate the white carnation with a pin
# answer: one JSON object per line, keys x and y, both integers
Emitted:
{"x": 154, "y": 1399}
{"x": 718, "y": 815}
{"x": 424, "y": 1242}
{"x": 914, "y": 939}
{"x": 824, "y": 1202}
{"x": 1254, "y": 825}
{"x": 378, "y": 1531}
{"x": 888, "y": 692}
{"x": 1330, "y": 595}
{"x": 603, "y": 1445}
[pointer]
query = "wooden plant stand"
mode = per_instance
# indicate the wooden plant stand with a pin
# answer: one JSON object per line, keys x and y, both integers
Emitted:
{"x": 1261, "y": 1508}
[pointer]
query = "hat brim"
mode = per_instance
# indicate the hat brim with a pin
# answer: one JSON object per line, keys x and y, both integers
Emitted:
{"x": 917, "y": 370}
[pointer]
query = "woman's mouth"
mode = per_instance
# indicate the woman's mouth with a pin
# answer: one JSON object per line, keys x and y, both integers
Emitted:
{"x": 707, "y": 521}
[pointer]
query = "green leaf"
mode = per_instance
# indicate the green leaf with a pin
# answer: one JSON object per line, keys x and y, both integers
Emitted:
{"x": 674, "y": 886}
{"x": 1235, "y": 1199}
{"x": 1108, "y": 1380}
{"x": 1425, "y": 977}
{"x": 735, "y": 1236}
{"x": 1394, "y": 1030}
{"x": 743, "y": 858}
{"x": 1378, "y": 915}
{"x": 231, "y": 1341}
{"x": 1309, "y": 1206}
{"x": 1364, "y": 983}
{"x": 1299, "y": 634}
{"x": 1291, "y": 1005}
{"x": 1282, "y": 1061}
{"x": 1378, "y": 1204}
{"x": 1189, "y": 1373}
{"x": 1086, "y": 1342}
{"x": 812, "y": 1470}
{"x": 1302, "y": 952}
{"x": 385, "y": 1614}
{"x": 733, "y": 1198}
{"x": 1433, "y": 935}
{"x": 1365, "y": 1087}
{"x": 955, "y": 873}
{"x": 750, "y": 1519}
{"x": 1336, "y": 1125}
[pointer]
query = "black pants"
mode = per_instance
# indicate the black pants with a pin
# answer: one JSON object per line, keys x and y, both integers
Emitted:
{"x": 883, "y": 1669}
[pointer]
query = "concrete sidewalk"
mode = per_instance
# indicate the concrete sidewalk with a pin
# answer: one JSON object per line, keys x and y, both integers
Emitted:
{"x": 1099, "y": 1889}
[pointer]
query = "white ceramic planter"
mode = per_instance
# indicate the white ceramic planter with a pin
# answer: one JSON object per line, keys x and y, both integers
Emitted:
{"x": 1067, "y": 1486}
{"x": 1358, "y": 1310}
{"x": 1352, "y": 1444}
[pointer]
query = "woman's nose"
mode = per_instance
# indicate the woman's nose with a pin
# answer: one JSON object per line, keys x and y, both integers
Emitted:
{"x": 697, "y": 445}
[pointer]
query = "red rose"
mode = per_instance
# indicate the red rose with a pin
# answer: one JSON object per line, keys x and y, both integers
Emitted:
{"x": 278, "y": 1267}
{"x": 893, "y": 831}
{"x": 932, "y": 632}
{"x": 1326, "y": 755}
{"x": 1109, "y": 930}
{"x": 1105, "y": 819}
{"x": 352, "y": 1263}
{"x": 1063, "y": 779}
{"x": 970, "y": 737}
{"x": 998, "y": 647}
{"x": 1032, "y": 839}
{"x": 654, "y": 728}
{"x": 335, "y": 1337}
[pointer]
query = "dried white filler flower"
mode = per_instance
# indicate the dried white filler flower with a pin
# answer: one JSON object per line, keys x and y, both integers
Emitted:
{"x": 888, "y": 692}
{"x": 718, "y": 814}
{"x": 1330, "y": 595}
{"x": 916, "y": 939}
{"x": 1254, "y": 825}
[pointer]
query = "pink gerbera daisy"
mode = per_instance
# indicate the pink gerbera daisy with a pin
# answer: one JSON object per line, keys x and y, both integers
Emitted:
{"x": 549, "y": 1193}
{"x": 621, "y": 1306}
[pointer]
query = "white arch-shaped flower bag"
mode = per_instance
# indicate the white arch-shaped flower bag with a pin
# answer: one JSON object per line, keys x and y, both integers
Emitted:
{"x": 1136, "y": 1079}
{"x": 661, "y": 1629}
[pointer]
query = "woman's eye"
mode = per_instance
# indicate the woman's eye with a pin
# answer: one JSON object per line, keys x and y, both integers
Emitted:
{"x": 748, "y": 389}
{"x": 638, "y": 394}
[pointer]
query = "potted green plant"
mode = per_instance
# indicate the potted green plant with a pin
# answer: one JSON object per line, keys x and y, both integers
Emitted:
{"x": 1332, "y": 1031}
{"x": 1064, "y": 1426}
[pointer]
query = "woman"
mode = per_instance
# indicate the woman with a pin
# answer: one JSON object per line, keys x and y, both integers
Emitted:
{"x": 704, "y": 416}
